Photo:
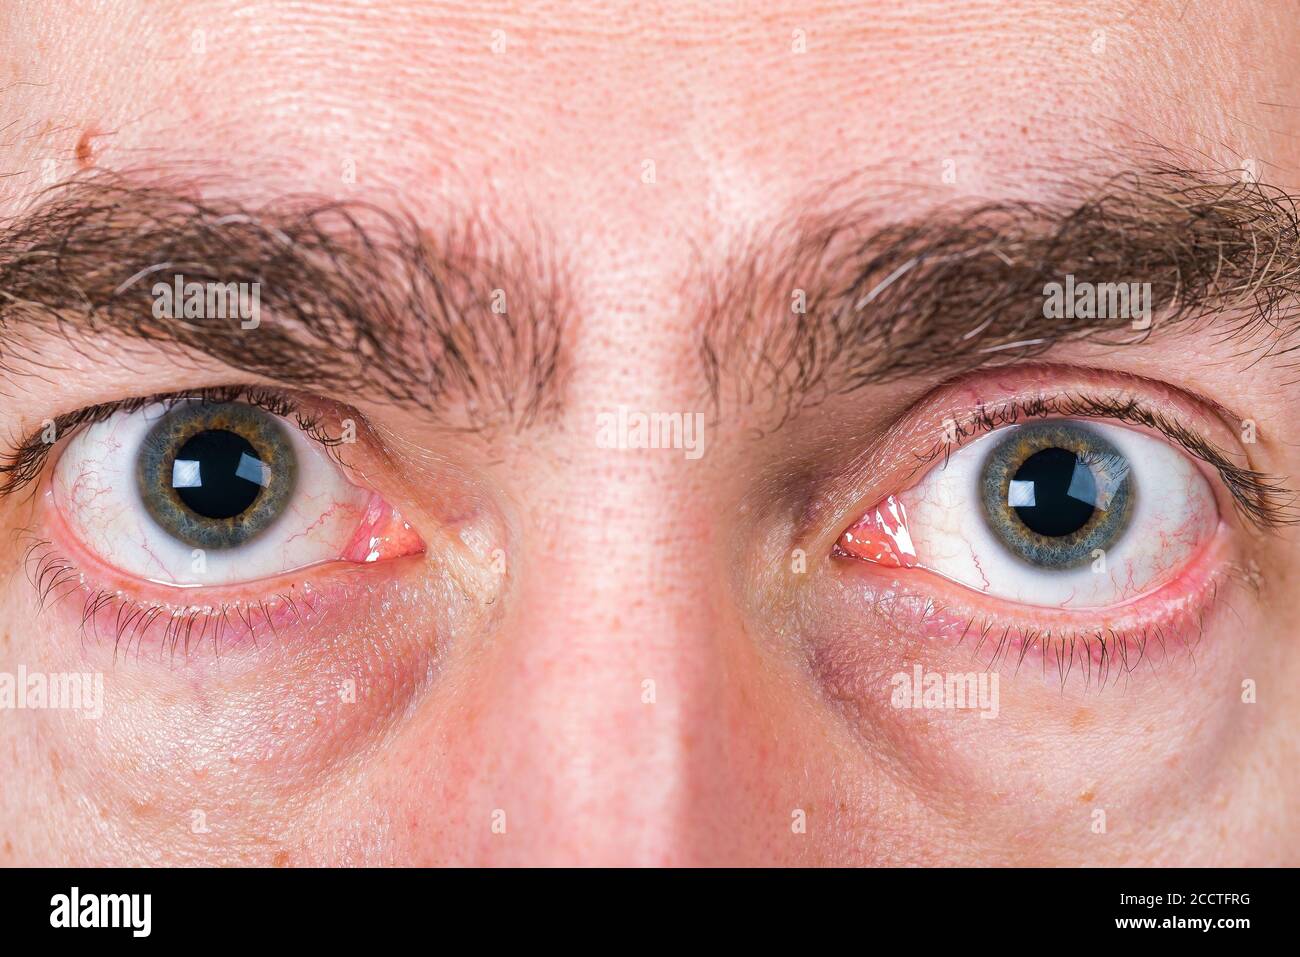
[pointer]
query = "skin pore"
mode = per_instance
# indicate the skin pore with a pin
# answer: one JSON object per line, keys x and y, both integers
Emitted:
{"x": 631, "y": 656}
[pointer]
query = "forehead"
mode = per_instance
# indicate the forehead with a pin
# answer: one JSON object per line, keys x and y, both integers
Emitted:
{"x": 615, "y": 117}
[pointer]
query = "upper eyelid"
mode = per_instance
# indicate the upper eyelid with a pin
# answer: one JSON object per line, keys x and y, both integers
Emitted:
{"x": 1261, "y": 498}
{"x": 22, "y": 464}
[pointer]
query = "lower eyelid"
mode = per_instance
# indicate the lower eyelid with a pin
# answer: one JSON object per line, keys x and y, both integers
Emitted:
{"x": 1146, "y": 631}
{"x": 225, "y": 620}
{"x": 105, "y": 605}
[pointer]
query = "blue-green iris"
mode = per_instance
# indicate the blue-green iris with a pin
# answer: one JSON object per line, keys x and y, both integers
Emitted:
{"x": 1055, "y": 492}
{"x": 214, "y": 475}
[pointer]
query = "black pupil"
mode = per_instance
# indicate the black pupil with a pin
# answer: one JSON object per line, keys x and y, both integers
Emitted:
{"x": 1053, "y": 492}
{"x": 217, "y": 473}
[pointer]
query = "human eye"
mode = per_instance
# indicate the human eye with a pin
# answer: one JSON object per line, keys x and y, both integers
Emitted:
{"x": 1098, "y": 523}
{"x": 1061, "y": 512}
{"x": 164, "y": 513}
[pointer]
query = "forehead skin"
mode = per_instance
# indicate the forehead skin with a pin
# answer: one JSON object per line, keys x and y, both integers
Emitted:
{"x": 556, "y": 111}
{"x": 549, "y": 124}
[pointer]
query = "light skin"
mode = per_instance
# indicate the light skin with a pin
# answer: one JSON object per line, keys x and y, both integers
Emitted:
{"x": 612, "y": 657}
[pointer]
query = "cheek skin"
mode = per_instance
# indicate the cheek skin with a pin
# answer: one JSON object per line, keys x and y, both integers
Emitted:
{"x": 254, "y": 749}
{"x": 1154, "y": 756}
{"x": 249, "y": 755}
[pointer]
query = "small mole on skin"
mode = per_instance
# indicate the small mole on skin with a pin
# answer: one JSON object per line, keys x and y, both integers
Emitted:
{"x": 85, "y": 150}
{"x": 1085, "y": 797}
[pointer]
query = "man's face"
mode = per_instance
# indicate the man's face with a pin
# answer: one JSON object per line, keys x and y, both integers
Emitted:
{"x": 952, "y": 556}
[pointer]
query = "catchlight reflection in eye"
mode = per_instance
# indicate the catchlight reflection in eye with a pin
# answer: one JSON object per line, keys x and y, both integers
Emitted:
{"x": 1060, "y": 512}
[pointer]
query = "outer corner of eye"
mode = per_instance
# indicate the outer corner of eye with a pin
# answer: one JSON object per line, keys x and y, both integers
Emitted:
{"x": 1056, "y": 513}
{"x": 217, "y": 493}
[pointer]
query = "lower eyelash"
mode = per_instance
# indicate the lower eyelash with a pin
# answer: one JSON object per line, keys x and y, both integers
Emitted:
{"x": 1101, "y": 655}
{"x": 171, "y": 628}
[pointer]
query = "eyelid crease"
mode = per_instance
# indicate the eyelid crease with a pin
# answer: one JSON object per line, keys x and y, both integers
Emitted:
{"x": 1261, "y": 499}
{"x": 22, "y": 464}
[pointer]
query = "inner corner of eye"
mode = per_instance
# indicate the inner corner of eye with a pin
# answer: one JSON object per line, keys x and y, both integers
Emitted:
{"x": 383, "y": 534}
{"x": 881, "y": 536}
{"x": 219, "y": 493}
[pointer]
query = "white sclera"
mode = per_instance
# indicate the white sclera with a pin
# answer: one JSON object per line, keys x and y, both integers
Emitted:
{"x": 95, "y": 490}
{"x": 1174, "y": 512}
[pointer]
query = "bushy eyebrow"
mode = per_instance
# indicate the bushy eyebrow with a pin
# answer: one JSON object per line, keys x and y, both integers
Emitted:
{"x": 354, "y": 299}
{"x": 467, "y": 322}
{"x": 963, "y": 287}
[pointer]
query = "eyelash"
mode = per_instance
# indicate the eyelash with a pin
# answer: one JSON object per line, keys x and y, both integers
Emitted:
{"x": 185, "y": 625}
{"x": 1102, "y": 654}
{"x": 1262, "y": 499}
{"x": 47, "y": 570}
{"x": 22, "y": 465}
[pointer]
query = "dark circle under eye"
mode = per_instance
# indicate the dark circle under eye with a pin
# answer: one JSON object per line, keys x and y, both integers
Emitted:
{"x": 1056, "y": 492}
{"x": 214, "y": 475}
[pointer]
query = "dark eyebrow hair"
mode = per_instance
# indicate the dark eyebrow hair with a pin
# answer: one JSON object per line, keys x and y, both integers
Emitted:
{"x": 355, "y": 299}
{"x": 962, "y": 287}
